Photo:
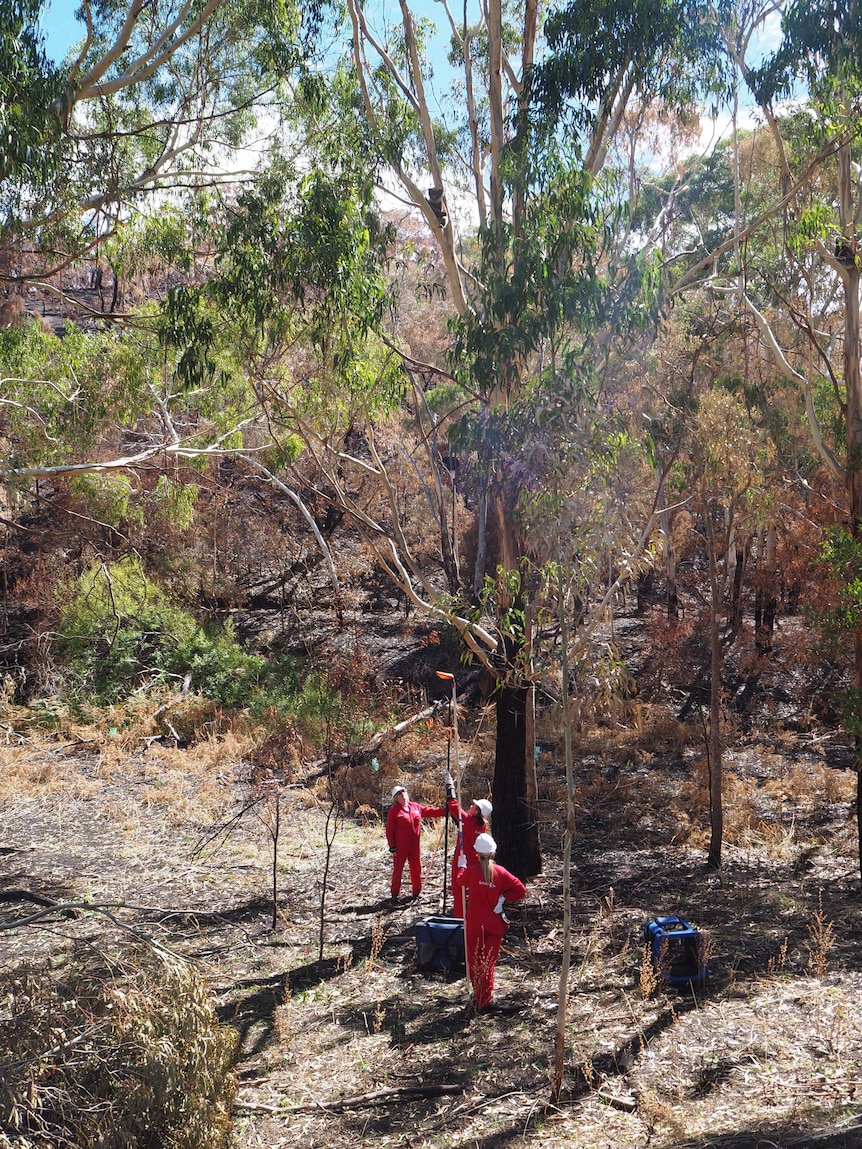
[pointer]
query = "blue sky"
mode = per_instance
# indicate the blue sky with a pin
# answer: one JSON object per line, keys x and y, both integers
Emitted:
{"x": 61, "y": 28}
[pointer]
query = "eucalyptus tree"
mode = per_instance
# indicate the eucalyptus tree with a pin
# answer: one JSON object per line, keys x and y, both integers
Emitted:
{"x": 727, "y": 465}
{"x": 123, "y": 150}
{"x": 439, "y": 164}
{"x": 155, "y": 99}
{"x": 590, "y": 528}
{"x": 30, "y": 86}
{"x": 821, "y": 48}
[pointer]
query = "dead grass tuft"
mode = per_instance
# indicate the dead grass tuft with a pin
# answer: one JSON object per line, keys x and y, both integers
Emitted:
{"x": 778, "y": 962}
{"x": 648, "y": 976}
{"x": 661, "y": 732}
{"x": 765, "y": 1044}
{"x": 282, "y": 1018}
{"x": 277, "y": 747}
{"x": 821, "y": 938}
{"x": 655, "y": 1111}
{"x": 211, "y": 754}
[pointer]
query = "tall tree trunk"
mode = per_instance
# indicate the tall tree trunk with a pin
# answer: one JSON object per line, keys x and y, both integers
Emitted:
{"x": 759, "y": 575}
{"x": 770, "y": 606}
{"x": 495, "y": 104}
{"x": 645, "y": 584}
{"x": 766, "y": 602}
{"x": 531, "y": 789}
{"x": 565, "y": 960}
{"x": 669, "y": 564}
{"x": 716, "y": 812}
{"x": 516, "y": 827}
{"x": 853, "y": 389}
{"x": 740, "y": 558}
{"x": 481, "y": 539}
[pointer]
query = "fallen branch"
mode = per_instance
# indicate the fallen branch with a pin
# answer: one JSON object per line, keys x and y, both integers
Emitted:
{"x": 360, "y": 1101}
{"x": 74, "y": 910}
{"x": 625, "y": 1101}
{"x": 15, "y": 895}
{"x": 394, "y": 731}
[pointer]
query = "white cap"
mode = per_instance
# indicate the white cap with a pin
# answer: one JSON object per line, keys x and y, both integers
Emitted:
{"x": 398, "y": 790}
{"x": 485, "y": 844}
{"x": 483, "y": 806}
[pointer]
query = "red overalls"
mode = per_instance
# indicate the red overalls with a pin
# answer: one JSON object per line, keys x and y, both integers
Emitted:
{"x": 483, "y": 928}
{"x": 403, "y": 826}
{"x": 472, "y": 826}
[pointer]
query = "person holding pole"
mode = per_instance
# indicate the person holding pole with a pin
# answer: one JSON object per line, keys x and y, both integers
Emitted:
{"x": 488, "y": 886}
{"x": 453, "y": 712}
{"x": 403, "y": 827}
{"x": 473, "y": 822}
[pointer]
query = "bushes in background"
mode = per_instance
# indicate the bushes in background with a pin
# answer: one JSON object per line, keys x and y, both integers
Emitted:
{"x": 120, "y": 632}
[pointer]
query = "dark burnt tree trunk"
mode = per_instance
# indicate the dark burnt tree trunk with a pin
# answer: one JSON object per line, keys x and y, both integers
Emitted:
{"x": 854, "y": 481}
{"x": 515, "y": 818}
{"x": 669, "y": 566}
{"x": 851, "y": 277}
{"x": 740, "y": 555}
{"x": 515, "y": 821}
{"x": 766, "y": 596}
{"x": 645, "y": 590}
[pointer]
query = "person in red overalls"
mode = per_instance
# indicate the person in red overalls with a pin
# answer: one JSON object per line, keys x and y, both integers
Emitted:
{"x": 473, "y": 823}
{"x": 488, "y": 888}
{"x": 403, "y": 827}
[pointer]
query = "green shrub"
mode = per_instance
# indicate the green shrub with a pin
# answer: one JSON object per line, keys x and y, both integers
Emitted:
{"x": 176, "y": 502}
{"x": 107, "y": 497}
{"x": 120, "y": 632}
{"x": 323, "y": 704}
{"x": 130, "y": 1054}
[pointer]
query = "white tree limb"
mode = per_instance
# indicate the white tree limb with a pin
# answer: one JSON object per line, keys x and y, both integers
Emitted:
{"x": 303, "y": 510}
{"x": 124, "y": 462}
{"x": 790, "y": 373}
{"x": 165, "y": 46}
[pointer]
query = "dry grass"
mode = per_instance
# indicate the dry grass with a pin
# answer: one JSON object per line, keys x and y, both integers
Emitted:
{"x": 821, "y": 935}
{"x": 194, "y": 778}
{"x": 25, "y": 774}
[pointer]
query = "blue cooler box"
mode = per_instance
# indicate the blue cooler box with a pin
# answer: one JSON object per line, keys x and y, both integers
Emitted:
{"x": 440, "y": 944}
{"x": 677, "y": 949}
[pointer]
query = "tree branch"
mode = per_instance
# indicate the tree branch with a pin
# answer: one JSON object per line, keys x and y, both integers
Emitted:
{"x": 304, "y": 511}
{"x": 145, "y": 65}
{"x": 790, "y": 373}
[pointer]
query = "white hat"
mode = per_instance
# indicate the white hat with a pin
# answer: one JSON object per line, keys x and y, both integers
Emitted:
{"x": 398, "y": 790}
{"x": 483, "y": 806}
{"x": 485, "y": 844}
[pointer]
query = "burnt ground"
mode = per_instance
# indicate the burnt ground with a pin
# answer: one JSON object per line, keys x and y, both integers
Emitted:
{"x": 356, "y": 1046}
